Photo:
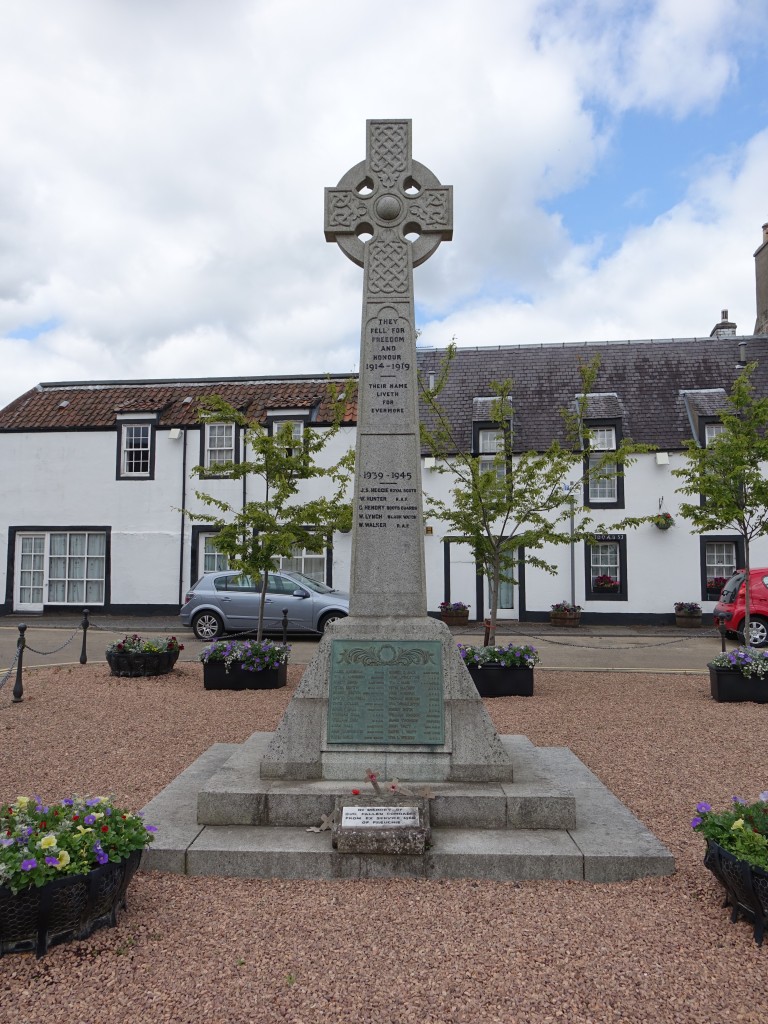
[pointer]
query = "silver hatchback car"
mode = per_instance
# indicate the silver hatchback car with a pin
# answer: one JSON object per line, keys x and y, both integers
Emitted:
{"x": 222, "y": 602}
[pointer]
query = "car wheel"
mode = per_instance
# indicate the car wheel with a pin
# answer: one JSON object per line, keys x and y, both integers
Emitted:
{"x": 207, "y": 626}
{"x": 330, "y": 617}
{"x": 758, "y": 631}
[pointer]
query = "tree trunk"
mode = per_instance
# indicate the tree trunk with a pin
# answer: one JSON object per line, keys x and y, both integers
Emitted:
{"x": 747, "y": 594}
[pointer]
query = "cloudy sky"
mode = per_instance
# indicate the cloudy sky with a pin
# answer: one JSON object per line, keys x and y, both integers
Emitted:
{"x": 162, "y": 165}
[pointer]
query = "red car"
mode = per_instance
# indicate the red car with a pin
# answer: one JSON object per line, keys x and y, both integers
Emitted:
{"x": 730, "y": 607}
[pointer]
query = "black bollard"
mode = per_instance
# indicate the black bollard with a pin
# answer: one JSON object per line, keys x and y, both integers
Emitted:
{"x": 721, "y": 627}
{"x": 84, "y": 626}
{"x": 18, "y": 689}
{"x": 285, "y": 625}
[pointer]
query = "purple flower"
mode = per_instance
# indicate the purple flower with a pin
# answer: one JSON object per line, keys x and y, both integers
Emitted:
{"x": 53, "y": 861}
{"x": 89, "y": 819}
{"x": 6, "y": 842}
{"x": 107, "y": 811}
{"x": 101, "y": 857}
{"x": 68, "y": 803}
{"x": 28, "y": 865}
{"x": 150, "y": 828}
{"x": 738, "y": 800}
{"x": 702, "y": 807}
{"x": 92, "y": 802}
{"x": 695, "y": 821}
{"x": 764, "y": 797}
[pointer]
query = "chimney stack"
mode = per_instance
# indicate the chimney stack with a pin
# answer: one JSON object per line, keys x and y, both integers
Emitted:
{"x": 725, "y": 329}
{"x": 761, "y": 284}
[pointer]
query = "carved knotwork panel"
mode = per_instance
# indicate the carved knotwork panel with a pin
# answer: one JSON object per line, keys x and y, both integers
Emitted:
{"x": 388, "y": 157}
{"x": 388, "y": 269}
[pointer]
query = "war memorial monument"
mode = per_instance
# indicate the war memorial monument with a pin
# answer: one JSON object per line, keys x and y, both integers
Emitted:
{"x": 387, "y": 696}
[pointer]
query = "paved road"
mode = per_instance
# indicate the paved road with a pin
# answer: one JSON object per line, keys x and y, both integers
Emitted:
{"x": 622, "y": 648}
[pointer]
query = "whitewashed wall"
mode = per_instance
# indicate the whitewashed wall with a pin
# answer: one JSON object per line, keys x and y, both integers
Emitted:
{"x": 57, "y": 480}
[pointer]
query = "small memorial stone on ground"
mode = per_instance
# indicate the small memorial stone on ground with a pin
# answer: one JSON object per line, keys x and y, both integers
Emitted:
{"x": 392, "y": 825}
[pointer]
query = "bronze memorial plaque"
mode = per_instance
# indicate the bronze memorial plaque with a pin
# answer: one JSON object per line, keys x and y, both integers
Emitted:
{"x": 388, "y": 691}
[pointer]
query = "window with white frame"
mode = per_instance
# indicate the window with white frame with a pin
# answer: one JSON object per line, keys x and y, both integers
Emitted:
{"x": 310, "y": 563}
{"x": 291, "y": 429}
{"x": 135, "y": 449}
{"x": 76, "y": 568}
{"x": 489, "y": 443}
{"x": 219, "y": 444}
{"x": 711, "y": 431}
{"x": 605, "y": 566}
{"x": 604, "y": 485}
{"x": 719, "y": 562}
{"x": 213, "y": 560}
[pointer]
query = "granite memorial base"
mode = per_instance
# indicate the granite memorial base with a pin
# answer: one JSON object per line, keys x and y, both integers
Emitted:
{"x": 556, "y": 820}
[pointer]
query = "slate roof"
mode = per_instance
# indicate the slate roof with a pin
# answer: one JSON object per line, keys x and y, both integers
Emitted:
{"x": 95, "y": 405}
{"x": 640, "y": 382}
{"x": 645, "y": 384}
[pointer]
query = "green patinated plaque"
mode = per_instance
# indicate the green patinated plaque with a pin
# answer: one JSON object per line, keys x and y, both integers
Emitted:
{"x": 386, "y": 691}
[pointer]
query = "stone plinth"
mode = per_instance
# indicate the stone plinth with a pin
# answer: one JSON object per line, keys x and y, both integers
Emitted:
{"x": 471, "y": 751}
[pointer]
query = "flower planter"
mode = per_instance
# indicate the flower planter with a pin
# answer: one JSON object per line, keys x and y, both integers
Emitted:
{"x": 133, "y": 663}
{"x": 455, "y": 618}
{"x": 607, "y": 590}
{"x": 746, "y": 887}
{"x": 570, "y": 619}
{"x": 216, "y": 677}
{"x": 727, "y": 685}
{"x": 502, "y": 680}
{"x": 67, "y": 908}
{"x": 688, "y": 621}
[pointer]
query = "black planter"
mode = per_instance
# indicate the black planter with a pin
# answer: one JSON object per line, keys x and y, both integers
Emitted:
{"x": 66, "y": 908}
{"x": 128, "y": 663}
{"x": 502, "y": 681}
{"x": 746, "y": 887}
{"x": 216, "y": 677}
{"x": 728, "y": 686}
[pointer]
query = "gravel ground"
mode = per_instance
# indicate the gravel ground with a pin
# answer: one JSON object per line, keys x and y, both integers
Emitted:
{"x": 391, "y": 952}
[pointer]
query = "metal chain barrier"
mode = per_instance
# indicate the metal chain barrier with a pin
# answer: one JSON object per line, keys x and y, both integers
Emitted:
{"x": 55, "y": 650}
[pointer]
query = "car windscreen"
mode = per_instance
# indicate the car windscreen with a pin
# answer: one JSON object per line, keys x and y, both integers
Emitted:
{"x": 731, "y": 588}
{"x": 310, "y": 584}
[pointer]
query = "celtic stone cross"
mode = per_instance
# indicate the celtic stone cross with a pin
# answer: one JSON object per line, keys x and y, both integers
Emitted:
{"x": 388, "y": 214}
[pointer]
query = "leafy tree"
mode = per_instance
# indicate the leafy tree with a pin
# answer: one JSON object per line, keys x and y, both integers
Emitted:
{"x": 729, "y": 473}
{"x": 510, "y": 508}
{"x": 254, "y": 535}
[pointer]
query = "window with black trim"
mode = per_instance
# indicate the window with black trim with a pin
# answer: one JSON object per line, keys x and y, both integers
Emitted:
{"x": 606, "y": 568}
{"x": 604, "y": 486}
{"x": 720, "y": 556}
{"x": 712, "y": 430}
{"x": 136, "y": 451}
{"x": 487, "y": 442}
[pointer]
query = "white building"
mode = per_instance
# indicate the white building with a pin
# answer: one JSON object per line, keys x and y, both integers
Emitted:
{"x": 98, "y": 475}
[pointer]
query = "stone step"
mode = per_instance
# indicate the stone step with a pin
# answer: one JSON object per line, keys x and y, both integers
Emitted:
{"x": 605, "y": 844}
{"x": 235, "y": 795}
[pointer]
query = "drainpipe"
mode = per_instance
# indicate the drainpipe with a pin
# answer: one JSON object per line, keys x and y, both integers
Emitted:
{"x": 183, "y": 516}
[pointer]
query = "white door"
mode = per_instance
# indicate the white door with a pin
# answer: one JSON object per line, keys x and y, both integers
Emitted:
{"x": 30, "y": 572}
{"x": 508, "y": 600}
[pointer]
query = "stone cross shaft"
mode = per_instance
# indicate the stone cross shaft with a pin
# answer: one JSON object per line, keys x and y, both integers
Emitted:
{"x": 404, "y": 212}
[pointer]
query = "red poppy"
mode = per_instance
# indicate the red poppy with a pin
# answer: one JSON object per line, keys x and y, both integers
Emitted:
{"x": 105, "y": 828}
{"x": 75, "y": 817}
{"x": 43, "y": 824}
{"x": 355, "y": 792}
